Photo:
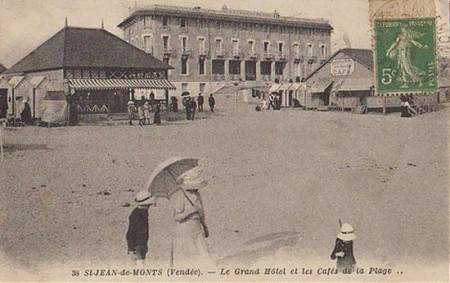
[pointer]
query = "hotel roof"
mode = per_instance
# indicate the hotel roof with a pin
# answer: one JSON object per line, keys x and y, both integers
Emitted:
{"x": 226, "y": 14}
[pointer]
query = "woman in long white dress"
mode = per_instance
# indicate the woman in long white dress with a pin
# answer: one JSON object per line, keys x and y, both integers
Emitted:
{"x": 189, "y": 242}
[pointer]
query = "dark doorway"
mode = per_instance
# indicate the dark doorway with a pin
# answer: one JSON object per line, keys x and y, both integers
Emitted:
{"x": 3, "y": 102}
{"x": 326, "y": 95}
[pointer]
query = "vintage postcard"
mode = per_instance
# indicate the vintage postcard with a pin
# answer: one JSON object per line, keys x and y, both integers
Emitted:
{"x": 224, "y": 141}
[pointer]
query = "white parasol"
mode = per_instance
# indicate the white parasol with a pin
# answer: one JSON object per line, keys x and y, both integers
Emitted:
{"x": 163, "y": 179}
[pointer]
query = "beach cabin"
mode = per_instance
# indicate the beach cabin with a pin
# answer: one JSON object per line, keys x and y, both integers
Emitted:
{"x": 343, "y": 79}
{"x": 98, "y": 72}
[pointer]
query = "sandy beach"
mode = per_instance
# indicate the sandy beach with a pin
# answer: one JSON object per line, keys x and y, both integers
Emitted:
{"x": 279, "y": 183}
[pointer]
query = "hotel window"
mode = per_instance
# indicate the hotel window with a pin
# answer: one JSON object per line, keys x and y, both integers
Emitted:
{"x": 296, "y": 49}
{"x": 218, "y": 25}
{"x": 235, "y": 46}
{"x": 201, "y": 66}
{"x": 266, "y": 46}
{"x": 165, "y": 42}
{"x": 147, "y": 43}
{"x": 184, "y": 87}
{"x": 183, "y": 44}
{"x": 323, "y": 51}
{"x": 280, "y": 48}
{"x": 218, "y": 46}
{"x": 147, "y": 21}
{"x": 201, "y": 23}
{"x": 251, "y": 46}
{"x": 183, "y": 22}
{"x": 310, "y": 50}
{"x": 165, "y": 21}
{"x": 184, "y": 66}
{"x": 298, "y": 71}
{"x": 201, "y": 45}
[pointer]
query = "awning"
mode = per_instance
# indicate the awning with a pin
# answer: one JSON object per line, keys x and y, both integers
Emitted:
{"x": 320, "y": 87}
{"x": 353, "y": 84}
{"x": 91, "y": 84}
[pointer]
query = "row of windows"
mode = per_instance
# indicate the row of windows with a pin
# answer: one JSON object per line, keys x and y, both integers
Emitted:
{"x": 250, "y": 45}
{"x": 234, "y": 67}
{"x": 147, "y": 21}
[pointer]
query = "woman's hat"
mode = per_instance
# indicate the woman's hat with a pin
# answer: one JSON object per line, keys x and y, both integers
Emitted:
{"x": 130, "y": 102}
{"x": 347, "y": 233}
{"x": 144, "y": 198}
{"x": 192, "y": 180}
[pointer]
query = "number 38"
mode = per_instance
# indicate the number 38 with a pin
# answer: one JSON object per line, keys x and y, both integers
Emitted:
{"x": 386, "y": 76}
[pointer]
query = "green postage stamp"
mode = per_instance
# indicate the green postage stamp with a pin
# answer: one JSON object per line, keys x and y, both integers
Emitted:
{"x": 405, "y": 55}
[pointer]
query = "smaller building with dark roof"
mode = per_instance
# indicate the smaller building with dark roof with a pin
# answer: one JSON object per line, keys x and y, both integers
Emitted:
{"x": 343, "y": 78}
{"x": 2, "y": 68}
{"x": 345, "y": 81}
{"x": 98, "y": 71}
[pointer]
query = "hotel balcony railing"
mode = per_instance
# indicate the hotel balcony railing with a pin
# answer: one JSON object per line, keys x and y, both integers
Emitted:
{"x": 267, "y": 55}
{"x": 183, "y": 29}
{"x": 298, "y": 58}
{"x": 219, "y": 54}
{"x": 166, "y": 28}
{"x": 236, "y": 54}
{"x": 185, "y": 52}
{"x": 252, "y": 55}
{"x": 235, "y": 77}
{"x": 202, "y": 52}
{"x": 312, "y": 58}
{"x": 218, "y": 77}
{"x": 168, "y": 51}
{"x": 280, "y": 57}
{"x": 265, "y": 78}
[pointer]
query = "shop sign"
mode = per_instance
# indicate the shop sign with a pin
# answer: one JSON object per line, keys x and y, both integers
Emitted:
{"x": 342, "y": 67}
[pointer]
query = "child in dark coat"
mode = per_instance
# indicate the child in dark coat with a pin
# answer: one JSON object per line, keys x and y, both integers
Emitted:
{"x": 343, "y": 249}
{"x": 137, "y": 234}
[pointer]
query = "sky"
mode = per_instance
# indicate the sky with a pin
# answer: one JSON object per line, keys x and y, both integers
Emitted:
{"x": 25, "y": 24}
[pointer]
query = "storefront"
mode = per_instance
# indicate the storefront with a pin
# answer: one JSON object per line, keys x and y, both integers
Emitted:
{"x": 97, "y": 71}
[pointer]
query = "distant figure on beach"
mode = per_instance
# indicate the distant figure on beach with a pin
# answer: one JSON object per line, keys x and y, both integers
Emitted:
{"x": 157, "y": 116}
{"x": 405, "y": 107}
{"x": 343, "y": 249}
{"x": 25, "y": 115}
{"x": 273, "y": 90}
{"x": 3, "y": 106}
{"x": 141, "y": 116}
{"x": 189, "y": 245}
{"x": 131, "y": 110}
{"x": 272, "y": 97}
{"x": 211, "y": 102}
{"x": 200, "y": 101}
{"x": 193, "y": 107}
{"x": 187, "y": 106}
{"x": 137, "y": 234}
{"x": 147, "y": 112}
{"x": 174, "y": 102}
